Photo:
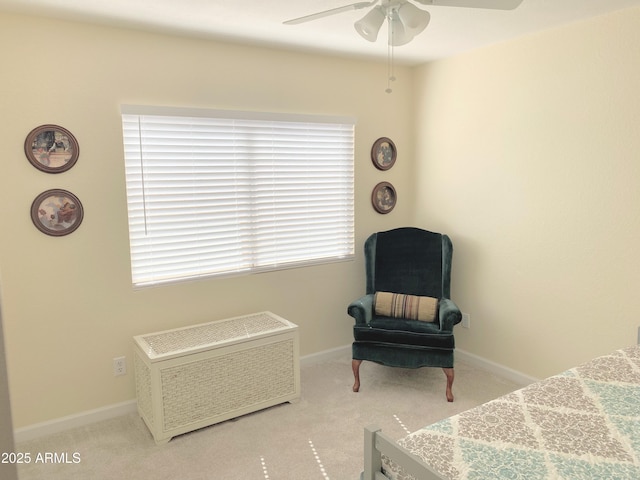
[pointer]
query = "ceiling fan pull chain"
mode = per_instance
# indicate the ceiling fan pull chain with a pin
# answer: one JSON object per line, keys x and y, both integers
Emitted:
{"x": 390, "y": 73}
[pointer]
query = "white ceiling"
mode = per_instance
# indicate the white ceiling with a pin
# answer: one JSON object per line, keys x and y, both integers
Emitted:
{"x": 452, "y": 29}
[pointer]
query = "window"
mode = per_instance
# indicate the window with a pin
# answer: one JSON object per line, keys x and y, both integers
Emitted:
{"x": 220, "y": 193}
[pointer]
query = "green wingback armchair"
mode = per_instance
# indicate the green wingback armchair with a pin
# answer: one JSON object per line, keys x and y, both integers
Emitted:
{"x": 414, "y": 262}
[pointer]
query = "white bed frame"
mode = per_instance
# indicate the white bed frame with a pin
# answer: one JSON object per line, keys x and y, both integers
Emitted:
{"x": 377, "y": 444}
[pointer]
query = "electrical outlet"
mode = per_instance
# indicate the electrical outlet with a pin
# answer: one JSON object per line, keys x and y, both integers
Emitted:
{"x": 119, "y": 366}
{"x": 466, "y": 320}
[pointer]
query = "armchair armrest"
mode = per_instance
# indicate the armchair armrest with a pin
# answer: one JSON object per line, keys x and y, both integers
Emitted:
{"x": 449, "y": 314}
{"x": 362, "y": 309}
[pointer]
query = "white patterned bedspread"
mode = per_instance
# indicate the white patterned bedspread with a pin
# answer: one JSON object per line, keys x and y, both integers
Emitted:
{"x": 581, "y": 424}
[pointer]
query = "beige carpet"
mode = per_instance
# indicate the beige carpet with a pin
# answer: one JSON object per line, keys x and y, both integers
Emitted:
{"x": 320, "y": 437}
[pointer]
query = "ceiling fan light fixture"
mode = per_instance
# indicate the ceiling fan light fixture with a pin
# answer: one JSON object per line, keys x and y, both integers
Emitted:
{"x": 369, "y": 25}
{"x": 413, "y": 19}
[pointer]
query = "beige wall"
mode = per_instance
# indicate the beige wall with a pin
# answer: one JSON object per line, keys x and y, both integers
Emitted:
{"x": 529, "y": 158}
{"x": 69, "y": 307}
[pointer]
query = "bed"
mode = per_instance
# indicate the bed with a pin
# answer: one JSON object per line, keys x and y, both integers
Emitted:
{"x": 581, "y": 424}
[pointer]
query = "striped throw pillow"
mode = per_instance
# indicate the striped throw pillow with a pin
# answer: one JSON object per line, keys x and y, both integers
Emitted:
{"x": 413, "y": 307}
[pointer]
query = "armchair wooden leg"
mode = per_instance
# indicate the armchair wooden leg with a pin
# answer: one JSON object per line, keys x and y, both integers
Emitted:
{"x": 355, "y": 366}
{"x": 449, "y": 373}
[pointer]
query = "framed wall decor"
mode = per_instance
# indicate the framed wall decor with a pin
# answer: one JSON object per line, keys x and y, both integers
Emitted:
{"x": 51, "y": 148}
{"x": 57, "y": 212}
{"x": 383, "y": 153}
{"x": 383, "y": 197}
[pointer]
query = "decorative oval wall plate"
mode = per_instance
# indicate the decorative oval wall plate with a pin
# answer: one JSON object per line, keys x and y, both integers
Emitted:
{"x": 383, "y": 197}
{"x": 57, "y": 212}
{"x": 383, "y": 153}
{"x": 51, "y": 148}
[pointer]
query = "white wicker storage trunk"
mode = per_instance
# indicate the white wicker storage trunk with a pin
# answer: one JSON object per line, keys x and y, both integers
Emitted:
{"x": 193, "y": 377}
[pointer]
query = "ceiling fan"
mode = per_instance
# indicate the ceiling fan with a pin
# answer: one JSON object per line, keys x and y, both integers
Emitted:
{"x": 404, "y": 18}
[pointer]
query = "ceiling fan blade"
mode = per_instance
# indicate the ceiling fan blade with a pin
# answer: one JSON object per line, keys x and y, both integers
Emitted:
{"x": 333, "y": 11}
{"x": 492, "y": 4}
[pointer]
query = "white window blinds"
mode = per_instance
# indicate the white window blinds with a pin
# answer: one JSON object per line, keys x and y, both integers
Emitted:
{"x": 215, "y": 193}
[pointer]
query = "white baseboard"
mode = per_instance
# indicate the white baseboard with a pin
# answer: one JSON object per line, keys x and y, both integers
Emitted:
{"x": 320, "y": 357}
{"x": 81, "y": 419}
{"x": 475, "y": 360}
{"x": 495, "y": 368}
{"x": 88, "y": 417}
